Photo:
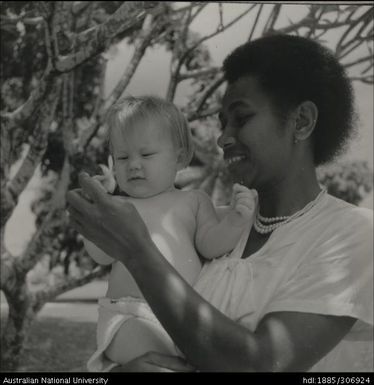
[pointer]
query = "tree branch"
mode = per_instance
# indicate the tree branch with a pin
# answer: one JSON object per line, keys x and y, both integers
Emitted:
{"x": 49, "y": 46}
{"x": 358, "y": 61}
{"x": 175, "y": 75}
{"x": 37, "y": 147}
{"x": 148, "y": 31}
{"x": 95, "y": 40}
{"x": 198, "y": 11}
{"x": 269, "y": 26}
{"x": 328, "y": 26}
{"x": 370, "y": 66}
{"x": 355, "y": 45}
{"x": 7, "y": 269}
{"x": 177, "y": 11}
{"x": 12, "y": 267}
{"x": 45, "y": 8}
{"x": 205, "y": 114}
{"x": 7, "y": 201}
{"x": 68, "y": 113}
{"x": 33, "y": 253}
{"x": 79, "y": 7}
{"x": 368, "y": 79}
{"x": 304, "y": 22}
{"x": 89, "y": 134}
{"x": 228, "y": 25}
{"x": 50, "y": 292}
{"x": 171, "y": 27}
{"x": 94, "y": 118}
{"x": 191, "y": 6}
{"x": 314, "y": 23}
{"x": 179, "y": 47}
{"x": 22, "y": 18}
{"x": 199, "y": 73}
{"x": 340, "y": 45}
{"x": 255, "y": 22}
{"x": 209, "y": 91}
{"x": 26, "y": 110}
{"x": 182, "y": 41}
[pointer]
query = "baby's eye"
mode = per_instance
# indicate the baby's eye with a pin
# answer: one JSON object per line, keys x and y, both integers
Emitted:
{"x": 147, "y": 155}
{"x": 122, "y": 158}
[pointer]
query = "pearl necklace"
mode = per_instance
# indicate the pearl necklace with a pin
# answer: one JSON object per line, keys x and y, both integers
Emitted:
{"x": 262, "y": 227}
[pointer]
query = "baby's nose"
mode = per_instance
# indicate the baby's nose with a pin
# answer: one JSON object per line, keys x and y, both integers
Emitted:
{"x": 135, "y": 165}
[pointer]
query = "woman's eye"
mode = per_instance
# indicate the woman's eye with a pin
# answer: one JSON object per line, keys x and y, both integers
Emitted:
{"x": 222, "y": 121}
{"x": 122, "y": 158}
{"x": 241, "y": 120}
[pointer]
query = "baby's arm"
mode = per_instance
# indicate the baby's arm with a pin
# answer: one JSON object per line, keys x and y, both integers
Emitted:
{"x": 214, "y": 236}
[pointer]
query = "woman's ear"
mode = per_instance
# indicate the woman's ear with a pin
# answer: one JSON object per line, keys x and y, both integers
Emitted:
{"x": 306, "y": 116}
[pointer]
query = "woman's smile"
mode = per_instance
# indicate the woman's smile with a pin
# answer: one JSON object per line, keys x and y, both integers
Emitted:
{"x": 234, "y": 159}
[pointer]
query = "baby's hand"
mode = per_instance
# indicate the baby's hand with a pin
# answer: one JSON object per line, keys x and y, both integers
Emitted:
{"x": 107, "y": 180}
{"x": 243, "y": 204}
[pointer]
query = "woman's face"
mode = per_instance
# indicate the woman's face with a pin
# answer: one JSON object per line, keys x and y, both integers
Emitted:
{"x": 257, "y": 144}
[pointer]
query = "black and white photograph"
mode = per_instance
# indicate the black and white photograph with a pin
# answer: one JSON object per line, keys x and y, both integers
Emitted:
{"x": 186, "y": 187}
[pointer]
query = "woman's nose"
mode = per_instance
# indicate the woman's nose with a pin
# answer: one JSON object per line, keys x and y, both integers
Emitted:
{"x": 225, "y": 141}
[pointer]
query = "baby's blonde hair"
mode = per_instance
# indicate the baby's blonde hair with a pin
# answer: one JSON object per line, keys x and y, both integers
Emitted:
{"x": 129, "y": 110}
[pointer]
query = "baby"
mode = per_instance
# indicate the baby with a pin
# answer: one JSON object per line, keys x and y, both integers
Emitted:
{"x": 149, "y": 143}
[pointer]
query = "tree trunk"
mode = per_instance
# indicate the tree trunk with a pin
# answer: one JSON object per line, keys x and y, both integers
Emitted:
{"x": 20, "y": 318}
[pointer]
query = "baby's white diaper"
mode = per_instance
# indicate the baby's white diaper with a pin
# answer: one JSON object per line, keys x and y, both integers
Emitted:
{"x": 113, "y": 314}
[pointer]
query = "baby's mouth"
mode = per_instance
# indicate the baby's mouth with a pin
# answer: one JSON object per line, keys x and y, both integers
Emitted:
{"x": 135, "y": 178}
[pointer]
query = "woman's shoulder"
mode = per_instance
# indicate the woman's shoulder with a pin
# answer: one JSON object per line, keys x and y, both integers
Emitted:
{"x": 343, "y": 224}
{"x": 332, "y": 220}
{"x": 344, "y": 213}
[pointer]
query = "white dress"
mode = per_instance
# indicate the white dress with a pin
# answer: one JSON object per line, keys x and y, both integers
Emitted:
{"x": 322, "y": 262}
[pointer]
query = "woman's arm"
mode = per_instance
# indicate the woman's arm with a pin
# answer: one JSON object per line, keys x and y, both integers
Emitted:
{"x": 283, "y": 341}
{"x": 155, "y": 362}
{"x": 210, "y": 341}
{"x": 97, "y": 254}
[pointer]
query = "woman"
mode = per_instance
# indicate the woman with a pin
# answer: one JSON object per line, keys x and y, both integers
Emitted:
{"x": 296, "y": 293}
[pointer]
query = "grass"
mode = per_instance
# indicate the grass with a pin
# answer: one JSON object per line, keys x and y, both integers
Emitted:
{"x": 58, "y": 345}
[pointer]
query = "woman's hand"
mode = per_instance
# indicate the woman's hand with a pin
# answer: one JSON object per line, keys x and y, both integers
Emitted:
{"x": 155, "y": 362}
{"x": 111, "y": 222}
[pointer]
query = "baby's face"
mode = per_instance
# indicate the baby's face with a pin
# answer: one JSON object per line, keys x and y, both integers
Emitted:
{"x": 145, "y": 160}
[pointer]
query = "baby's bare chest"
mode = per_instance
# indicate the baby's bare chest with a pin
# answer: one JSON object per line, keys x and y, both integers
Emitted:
{"x": 172, "y": 216}
{"x": 172, "y": 225}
